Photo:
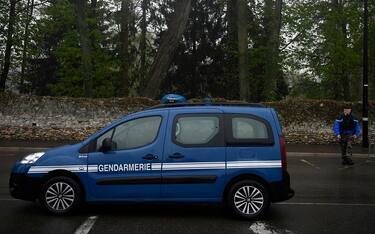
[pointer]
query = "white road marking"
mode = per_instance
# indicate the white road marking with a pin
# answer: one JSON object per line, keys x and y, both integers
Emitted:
{"x": 325, "y": 204}
{"x": 309, "y": 163}
{"x": 87, "y": 225}
{"x": 259, "y": 227}
{"x": 263, "y": 228}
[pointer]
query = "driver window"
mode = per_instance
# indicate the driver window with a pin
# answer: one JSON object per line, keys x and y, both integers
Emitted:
{"x": 136, "y": 133}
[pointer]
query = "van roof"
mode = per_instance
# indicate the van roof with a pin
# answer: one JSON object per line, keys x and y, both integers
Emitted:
{"x": 224, "y": 104}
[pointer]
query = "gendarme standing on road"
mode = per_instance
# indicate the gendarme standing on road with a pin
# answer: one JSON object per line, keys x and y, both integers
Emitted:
{"x": 346, "y": 128}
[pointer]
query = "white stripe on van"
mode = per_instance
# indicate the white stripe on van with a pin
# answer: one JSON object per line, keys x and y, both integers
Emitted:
{"x": 254, "y": 164}
{"x": 46, "y": 169}
{"x": 169, "y": 166}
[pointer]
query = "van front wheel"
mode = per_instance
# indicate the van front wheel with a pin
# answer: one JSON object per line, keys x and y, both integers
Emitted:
{"x": 60, "y": 195}
{"x": 248, "y": 199}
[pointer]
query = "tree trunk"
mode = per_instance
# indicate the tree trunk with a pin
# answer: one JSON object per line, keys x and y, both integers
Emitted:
{"x": 30, "y": 11}
{"x": 281, "y": 84}
{"x": 344, "y": 71}
{"x": 9, "y": 44}
{"x": 242, "y": 49}
{"x": 231, "y": 63}
{"x": 143, "y": 41}
{"x": 93, "y": 6}
{"x": 86, "y": 53}
{"x": 341, "y": 42}
{"x": 278, "y": 15}
{"x": 124, "y": 49}
{"x": 271, "y": 55}
{"x": 333, "y": 41}
{"x": 167, "y": 47}
{"x": 232, "y": 26}
{"x": 93, "y": 26}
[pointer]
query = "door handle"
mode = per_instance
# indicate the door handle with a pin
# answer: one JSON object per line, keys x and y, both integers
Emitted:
{"x": 176, "y": 156}
{"x": 150, "y": 157}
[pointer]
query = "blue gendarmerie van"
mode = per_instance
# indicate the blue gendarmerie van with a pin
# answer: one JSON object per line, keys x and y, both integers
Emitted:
{"x": 222, "y": 153}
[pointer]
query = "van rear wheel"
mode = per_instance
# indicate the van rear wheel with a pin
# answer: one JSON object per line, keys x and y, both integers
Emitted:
{"x": 248, "y": 199}
{"x": 61, "y": 195}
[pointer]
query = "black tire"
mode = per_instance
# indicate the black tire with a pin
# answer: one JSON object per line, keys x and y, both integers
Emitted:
{"x": 248, "y": 199}
{"x": 61, "y": 195}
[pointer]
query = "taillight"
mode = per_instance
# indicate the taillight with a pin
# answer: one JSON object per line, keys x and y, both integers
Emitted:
{"x": 283, "y": 152}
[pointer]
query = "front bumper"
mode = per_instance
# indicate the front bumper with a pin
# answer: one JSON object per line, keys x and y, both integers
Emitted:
{"x": 281, "y": 190}
{"x": 24, "y": 187}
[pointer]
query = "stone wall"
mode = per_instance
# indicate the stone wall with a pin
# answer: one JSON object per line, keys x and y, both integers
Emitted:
{"x": 62, "y": 118}
{"x": 311, "y": 121}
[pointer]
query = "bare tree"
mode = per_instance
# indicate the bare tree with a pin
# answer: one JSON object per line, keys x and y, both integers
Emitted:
{"x": 167, "y": 47}
{"x": 143, "y": 39}
{"x": 231, "y": 71}
{"x": 29, "y": 16}
{"x": 243, "y": 73}
{"x": 86, "y": 50}
{"x": 124, "y": 49}
{"x": 272, "y": 25}
{"x": 342, "y": 35}
{"x": 9, "y": 44}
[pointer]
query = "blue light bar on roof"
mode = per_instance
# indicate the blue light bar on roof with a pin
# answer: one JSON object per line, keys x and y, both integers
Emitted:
{"x": 172, "y": 98}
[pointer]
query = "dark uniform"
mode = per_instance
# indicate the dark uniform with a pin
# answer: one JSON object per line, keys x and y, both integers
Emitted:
{"x": 346, "y": 126}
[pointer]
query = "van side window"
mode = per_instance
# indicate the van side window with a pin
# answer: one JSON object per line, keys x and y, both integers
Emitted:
{"x": 196, "y": 130}
{"x": 136, "y": 133}
{"x": 248, "y": 128}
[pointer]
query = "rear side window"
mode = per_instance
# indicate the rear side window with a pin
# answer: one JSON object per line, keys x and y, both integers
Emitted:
{"x": 244, "y": 129}
{"x": 248, "y": 128}
{"x": 197, "y": 130}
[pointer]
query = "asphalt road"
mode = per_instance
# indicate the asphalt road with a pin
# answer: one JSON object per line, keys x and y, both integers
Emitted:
{"x": 329, "y": 199}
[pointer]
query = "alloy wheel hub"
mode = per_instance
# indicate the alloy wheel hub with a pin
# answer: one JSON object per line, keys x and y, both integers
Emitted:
{"x": 248, "y": 200}
{"x": 59, "y": 196}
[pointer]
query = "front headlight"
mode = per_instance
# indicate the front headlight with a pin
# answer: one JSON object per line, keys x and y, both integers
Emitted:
{"x": 31, "y": 158}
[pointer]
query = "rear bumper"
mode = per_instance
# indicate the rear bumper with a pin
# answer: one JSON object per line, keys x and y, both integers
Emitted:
{"x": 24, "y": 187}
{"x": 281, "y": 190}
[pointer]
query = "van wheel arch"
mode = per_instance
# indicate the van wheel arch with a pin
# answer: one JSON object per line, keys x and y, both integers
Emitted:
{"x": 69, "y": 174}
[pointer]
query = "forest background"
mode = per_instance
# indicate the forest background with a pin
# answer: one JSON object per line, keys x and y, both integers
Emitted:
{"x": 250, "y": 50}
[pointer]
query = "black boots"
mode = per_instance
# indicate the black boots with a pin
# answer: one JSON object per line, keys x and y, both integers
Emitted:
{"x": 347, "y": 161}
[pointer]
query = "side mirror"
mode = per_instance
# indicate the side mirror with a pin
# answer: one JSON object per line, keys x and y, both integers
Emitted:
{"x": 107, "y": 145}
